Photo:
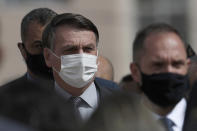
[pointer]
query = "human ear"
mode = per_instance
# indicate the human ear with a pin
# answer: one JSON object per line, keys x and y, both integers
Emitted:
{"x": 22, "y": 50}
{"x": 47, "y": 57}
{"x": 135, "y": 72}
{"x": 188, "y": 62}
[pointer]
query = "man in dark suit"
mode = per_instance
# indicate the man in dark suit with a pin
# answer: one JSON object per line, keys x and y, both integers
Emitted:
{"x": 160, "y": 67}
{"x": 32, "y": 26}
{"x": 71, "y": 50}
{"x": 31, "y": 49}
{"x": 191, "y": 112}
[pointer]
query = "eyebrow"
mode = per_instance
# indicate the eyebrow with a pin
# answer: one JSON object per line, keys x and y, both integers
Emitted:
{"x": 73, "y": 45}
{"x": 179, "y": 61}
{"x": 91, "y": 44}
{"x": 69, "y": 47}
{"x": 37, "y": 41}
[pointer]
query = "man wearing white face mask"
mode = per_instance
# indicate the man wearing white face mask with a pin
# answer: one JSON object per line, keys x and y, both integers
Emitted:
{"x": 70, "y": 42}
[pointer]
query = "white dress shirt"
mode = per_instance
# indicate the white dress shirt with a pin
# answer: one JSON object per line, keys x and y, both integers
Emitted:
{"x": 90, "y": 96}
{"x": 177, "y": 115}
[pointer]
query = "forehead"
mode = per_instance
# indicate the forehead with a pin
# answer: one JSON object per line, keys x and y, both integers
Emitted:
{"x": 65, "y": 35}
{"x": 164, "y": 45}
{"x": 34, "y": 31}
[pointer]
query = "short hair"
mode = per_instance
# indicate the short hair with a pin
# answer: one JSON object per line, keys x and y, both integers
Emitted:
{"x": 40, "y": 15}
{"x": 76, "y": 21}
{"x": 141, "y": 36}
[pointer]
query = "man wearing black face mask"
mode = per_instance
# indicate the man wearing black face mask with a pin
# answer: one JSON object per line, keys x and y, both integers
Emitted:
{"x": 31, "y": 47}
{"x": 32, "y": 26}
{"x": 160, "y": 66}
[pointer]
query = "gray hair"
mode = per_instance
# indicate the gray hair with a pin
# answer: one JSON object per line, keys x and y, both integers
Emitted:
{"x": 76, "y": 21}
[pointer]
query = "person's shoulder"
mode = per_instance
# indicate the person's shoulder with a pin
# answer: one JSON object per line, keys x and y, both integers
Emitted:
{"x": 15, "y": 82}
{"x": 106, "y": 83}
{"x": 105, "y": 90}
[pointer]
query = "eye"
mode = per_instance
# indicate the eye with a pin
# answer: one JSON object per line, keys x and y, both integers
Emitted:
{"x": 70, "y": 50}
{"x": 178, "y": 64}
{"x": 38, "y": 44}
{"x": 89, "y": 48}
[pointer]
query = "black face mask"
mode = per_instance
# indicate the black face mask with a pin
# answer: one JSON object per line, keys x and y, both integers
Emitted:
{"x": 165, "y": 89}
{"x": 37, "y": 65}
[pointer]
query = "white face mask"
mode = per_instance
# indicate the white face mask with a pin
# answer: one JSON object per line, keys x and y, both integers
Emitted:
{"x": 77, "y": 70}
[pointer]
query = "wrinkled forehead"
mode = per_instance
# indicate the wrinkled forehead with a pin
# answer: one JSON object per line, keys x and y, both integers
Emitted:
{"x": 34, "y": 29}
{"x": 65, "y": 36}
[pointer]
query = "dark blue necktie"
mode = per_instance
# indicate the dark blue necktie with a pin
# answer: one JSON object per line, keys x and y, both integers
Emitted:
{"x": 167, "y": 123}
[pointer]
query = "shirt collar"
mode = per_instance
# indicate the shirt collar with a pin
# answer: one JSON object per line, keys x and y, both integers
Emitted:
{"x": 90, "y": 95}
{"x": 177, "y": 115}
{"x": 62, "y": 92}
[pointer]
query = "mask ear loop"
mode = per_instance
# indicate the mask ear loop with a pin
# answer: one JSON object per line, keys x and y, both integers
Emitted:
{"x": 97, "y": 54}
{"x": 54, "y": 54}
{"x": 56, "y": 57}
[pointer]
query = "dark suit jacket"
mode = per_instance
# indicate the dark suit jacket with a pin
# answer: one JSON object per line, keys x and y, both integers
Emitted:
{"x": 11, "y": 125}
{"x": 190, "y": 123}
{"x": 17, "y": 82}
{"x": 104, "y": 87}
{"x": 107, "y": 83}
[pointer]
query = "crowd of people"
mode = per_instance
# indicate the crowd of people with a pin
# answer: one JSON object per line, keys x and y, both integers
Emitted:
{"x": 69, "y": 86}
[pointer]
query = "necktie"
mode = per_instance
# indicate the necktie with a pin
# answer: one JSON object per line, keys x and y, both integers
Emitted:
{"x": 75, "y": 102}
{"x": 167, "y": 123}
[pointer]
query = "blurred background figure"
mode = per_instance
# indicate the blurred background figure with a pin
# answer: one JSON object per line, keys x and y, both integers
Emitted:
{"x": 190, "y": 51}
{"x": 193, "y": 70}
{"x": 1, "y": 48}
{"x": 105, "y": 68}
{"x": 7, "y": 124}
{"x": 122, "y": 112}
{"x": 1, "y": 54}
{"x": 35, "y": 106}
{"x": 127, "y": 83}
{"x": 105, "y": 73}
